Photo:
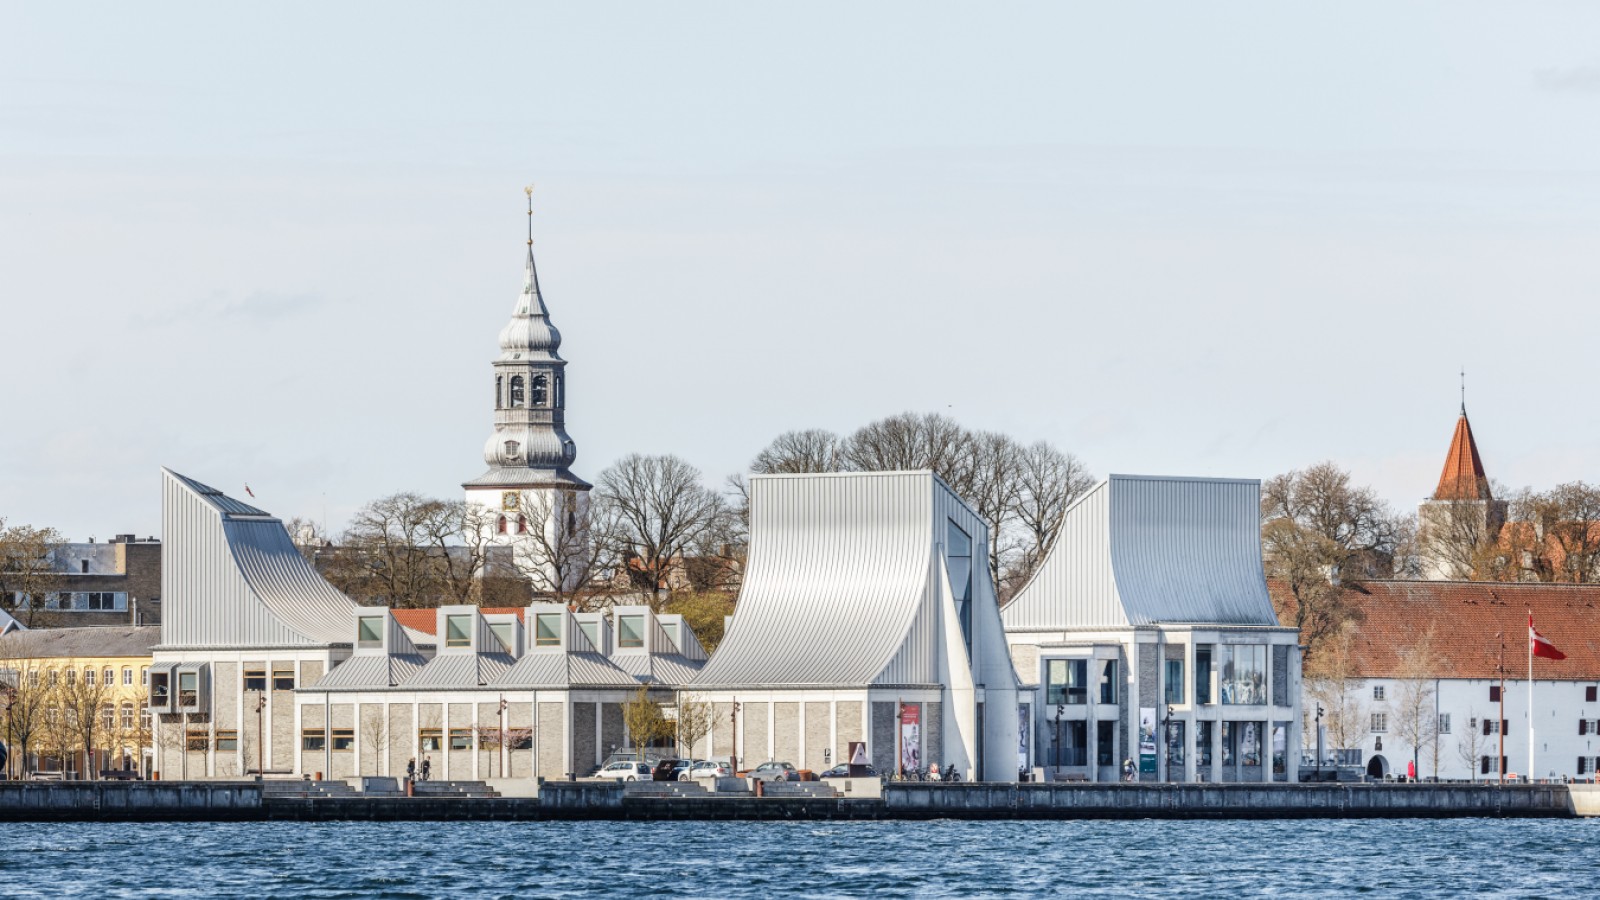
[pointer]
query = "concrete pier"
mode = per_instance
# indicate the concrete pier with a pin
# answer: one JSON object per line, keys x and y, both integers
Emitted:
{"x": 574, "y": 801}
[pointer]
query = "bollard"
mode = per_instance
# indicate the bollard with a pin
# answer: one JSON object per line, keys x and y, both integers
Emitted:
{"x": 759, "y": 786}
{"x": 410, "y": 785}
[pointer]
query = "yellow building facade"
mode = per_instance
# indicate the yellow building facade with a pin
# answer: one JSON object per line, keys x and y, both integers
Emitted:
{"x": 75, "y": 702}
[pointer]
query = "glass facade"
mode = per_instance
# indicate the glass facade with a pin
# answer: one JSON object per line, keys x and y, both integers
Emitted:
{"x": 1175, "y": 745}
{"x": 958, "y": 560}
{"x": 1244, "y": 674}
{"x": 1174, "y": 681}
{"x": 1108, "y": 681}
{"x": 1202, "y": 741}
{"x": 1105, "y": 749}
{"x": 1067, "y": 682}
{"x": 1202, "y": 673}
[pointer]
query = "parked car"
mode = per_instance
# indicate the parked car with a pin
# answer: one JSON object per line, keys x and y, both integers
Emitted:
{"x": 844, "y": 772}
{"x": 705, "y": 769}
{"x": 669, "y": 769}
{"x": 775, "y": 771}
{"x": 625, "y": 771}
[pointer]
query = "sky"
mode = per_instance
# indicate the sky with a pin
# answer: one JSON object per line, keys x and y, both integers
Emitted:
{"x": 273, "y": 245}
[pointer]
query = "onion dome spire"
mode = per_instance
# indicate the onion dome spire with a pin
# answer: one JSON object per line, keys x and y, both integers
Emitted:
{"x": 529, "y": 334}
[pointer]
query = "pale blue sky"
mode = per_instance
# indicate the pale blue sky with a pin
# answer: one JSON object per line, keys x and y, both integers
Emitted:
{"x": 275, "y": 244}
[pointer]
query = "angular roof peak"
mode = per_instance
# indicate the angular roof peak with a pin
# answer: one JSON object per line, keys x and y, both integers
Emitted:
{"x": 1463, "y": 477}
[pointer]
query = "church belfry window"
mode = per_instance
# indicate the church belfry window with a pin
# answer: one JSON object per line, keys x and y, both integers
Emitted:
{"x": 499, "y": 391}
{"x": 561, "y": 392}
{"x": 516, "y": 391}
{"x": 541, "y": 385}
{"x": 513, "y": 449}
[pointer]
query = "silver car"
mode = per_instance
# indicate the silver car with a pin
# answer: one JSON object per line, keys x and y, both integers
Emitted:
{"x": 775, "y": 771}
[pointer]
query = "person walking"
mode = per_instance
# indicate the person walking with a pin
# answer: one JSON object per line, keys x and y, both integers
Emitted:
{"x": 427, "y": 767}
{"x": 411, "y": 769}
{"x": 1127, "y": 769}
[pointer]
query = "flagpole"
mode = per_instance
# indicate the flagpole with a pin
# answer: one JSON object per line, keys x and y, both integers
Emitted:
{"x": 1530, "y": 696}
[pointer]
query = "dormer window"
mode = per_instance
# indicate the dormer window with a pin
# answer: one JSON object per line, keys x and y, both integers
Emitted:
{"x": 369, "y": 631}
{"x": 630, "y": 631}
{"x": 547, "y": 630}
{"x": 591, "y": 630}
{"x": 458, "y": 631}
{"x": 541, "y": 387}
{"x": 516, "y": 391}
{"x": 513, "y": 449}
{"x": 502, "y": 633}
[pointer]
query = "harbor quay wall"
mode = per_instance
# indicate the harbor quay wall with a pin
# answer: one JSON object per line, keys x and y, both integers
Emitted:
{"x": 584, "y": 801}
{"x": 66, "y": 801}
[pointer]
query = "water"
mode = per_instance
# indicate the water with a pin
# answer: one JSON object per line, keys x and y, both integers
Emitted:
{"x": 1411, "y": 858}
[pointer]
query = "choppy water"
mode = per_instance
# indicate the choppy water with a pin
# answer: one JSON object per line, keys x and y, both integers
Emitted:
{"x": 742, "y": 859}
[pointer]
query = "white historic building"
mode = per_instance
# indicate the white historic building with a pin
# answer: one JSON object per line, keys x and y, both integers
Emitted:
{"x": 531, "y": 499}
{"x": 1148, "y": 635}
{"x": 867, "y": 616}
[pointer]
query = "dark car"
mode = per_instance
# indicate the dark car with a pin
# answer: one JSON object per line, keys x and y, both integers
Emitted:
{"x": 670, "y": 769}
{"x": 844, "y": 772}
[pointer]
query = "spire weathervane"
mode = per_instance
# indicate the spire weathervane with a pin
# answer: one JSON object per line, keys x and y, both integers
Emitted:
{"x": 1463, "y": 388}
{"x": 529, "y": 191}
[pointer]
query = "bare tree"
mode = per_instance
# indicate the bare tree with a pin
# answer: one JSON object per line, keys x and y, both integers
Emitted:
{"x": 27, "y": 694}
{"x": 1459, "y": 538}
{"x": 801, "y": 452}
{"x": 27, "y": 568}
{"x": 695, "y": 718}
{"x": 1470, "y": 746}
{"x": 570, "y": 541}
{"x": 644, "y": 720}
{"x": 406, "y": 550}
{"x": 1048, "y": 482}
{"x": 86, "y": 702}
{"x": 1566, "y": 522}
{"x": 1416, "y": 715}
{"x": 1318, "y": 531}
{"x": 663, "y": 513}
{"x": 1331, "y": 681}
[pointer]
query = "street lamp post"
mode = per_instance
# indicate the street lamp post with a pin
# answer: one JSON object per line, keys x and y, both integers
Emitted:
{"x": 1168, "y": 753}
{"x": 1319, "y": 743}
{"x": 502, "y": 735}
{"x": 261, "y": 736}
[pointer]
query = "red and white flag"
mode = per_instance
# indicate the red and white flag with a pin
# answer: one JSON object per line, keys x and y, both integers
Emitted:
{"x": 253, "y": 493}
{"x": 1540, "y": 645}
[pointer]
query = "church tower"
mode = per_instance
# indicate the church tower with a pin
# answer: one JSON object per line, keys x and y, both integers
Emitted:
{"x": 1462, "y": 516}
{"x": 533, "y": 501}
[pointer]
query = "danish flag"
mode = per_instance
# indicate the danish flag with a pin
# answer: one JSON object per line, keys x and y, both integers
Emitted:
{"x": 1540, "y": 645}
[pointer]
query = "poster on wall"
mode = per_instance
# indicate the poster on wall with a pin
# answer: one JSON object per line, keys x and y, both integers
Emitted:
{"x": 1024, "y": 725}
{"x": 1147, "y": 740}
{"x": 910, "y": 737}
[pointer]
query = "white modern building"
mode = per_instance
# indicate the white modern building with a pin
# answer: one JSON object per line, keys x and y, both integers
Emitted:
{"x": 1148, "y": 635}
{"x": 264, "y": 666}
{"x": 867, "y": 617}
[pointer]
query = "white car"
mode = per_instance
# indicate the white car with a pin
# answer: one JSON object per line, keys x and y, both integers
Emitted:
{"x": 706, "y": 769}
{"x": 625, "y": 771}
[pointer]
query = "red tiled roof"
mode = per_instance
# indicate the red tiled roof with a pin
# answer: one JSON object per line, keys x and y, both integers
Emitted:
{"x": 1465, "y": 616}
{"x": 426, "y": 620}
{"x": 1463, "y": 477}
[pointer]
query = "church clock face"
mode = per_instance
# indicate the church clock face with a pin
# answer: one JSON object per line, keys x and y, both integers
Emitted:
{"x": 508, "y": 500}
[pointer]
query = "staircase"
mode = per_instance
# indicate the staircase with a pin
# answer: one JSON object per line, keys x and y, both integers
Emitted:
{"x": 303, "y": 789}
{"x": 817, "y": 790}
{"x": 458, "y": 790}
{"x": 664, "y": 790}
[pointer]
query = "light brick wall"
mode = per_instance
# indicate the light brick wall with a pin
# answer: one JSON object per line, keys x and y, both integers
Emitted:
{"x": 786, "y": 733}
{"x": 753, "y": 749}
{"x": 817, "y": 722}
{"x": 849, "y": 728}
{"x": 402, "y": 739}
{"x": 552, "y": 740}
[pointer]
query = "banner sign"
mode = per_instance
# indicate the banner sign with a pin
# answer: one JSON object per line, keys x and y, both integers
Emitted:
{"x": 1147, "y": 740}
{"x": 910, "y": 737}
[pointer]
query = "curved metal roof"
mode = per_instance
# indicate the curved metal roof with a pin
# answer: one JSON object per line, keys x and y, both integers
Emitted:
{"x": 837, "y": 572}
{"x": 1141, "y": 550}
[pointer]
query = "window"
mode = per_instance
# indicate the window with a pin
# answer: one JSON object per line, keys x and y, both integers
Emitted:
{"x": 1066, "y": 681}
{"x": 1202, "y": 674}
{"x": 547, "y": 630}
{"x": 1105, "y": 747}
{"x": 429, "y": 740}
{"x": 1589, "y": 694}
{"x": 1581, "y": 762}
{"x": 144, "y": 675}
{"x": 108, "y": 676}
{"x": 283, "y": 678}
{"x": 1490, "y": 726}
{"x": 501, "y": 525}
{"x": 108, "y": 717}
{"x": 369, "y": 631}
{"x": 188, "y": 688}
{"x": 144, "y": 717}
{"x": 1244, "y": 674}
{"x": 88, "y": 678}
{"x": 1494, "y": 693}
{"x": 1444, "y": 723}
{"x": 958, "y": 561}
{"x": 1380, "y": 723}
{"x": 561, "y": 394}
{"x": 1175, "y": 743}
{"x": 1377, "y": 692}
{"x": 127, "y": 717}
{"x": 72, "y": 676}
{"x": 1175, "y": 682}
{"x": 591, "y": 630}
{"x": 516, "y": 391}
{"x": 458, "y": 631}
{"x": 104, "y": 601}
{"x": 197, "y": 739}
{"x": 499, "y": 391}
{"x": 160, "y": 689}
{"x": 313, "y": 739}
{"x": 227, "y": 741}
{"x": 630, "y": 631}
{"x": 1202, "y": 744}
{"x": 504, "y": 633}
{"x": 255, "y": 679}
{"x": 513, "y": 450}
{"x": 541, "y": 386}
{"x": 344, "y": 739}
{"x": 522, "y": 524}
{"x": 461, "y": 739}
{"x": 1108, "y": 682}
{"x": 127, "y": 676}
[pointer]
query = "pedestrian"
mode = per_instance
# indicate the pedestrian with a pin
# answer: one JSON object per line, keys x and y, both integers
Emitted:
{"x": 933, "y": 772}
{"x": 427, "y": 767}
{"x": 1127, "y": 769}
{"x": 411, "y": 769}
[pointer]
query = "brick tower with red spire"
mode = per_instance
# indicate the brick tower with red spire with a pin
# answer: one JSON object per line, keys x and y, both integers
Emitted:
{"x": 1462, "y": 517}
